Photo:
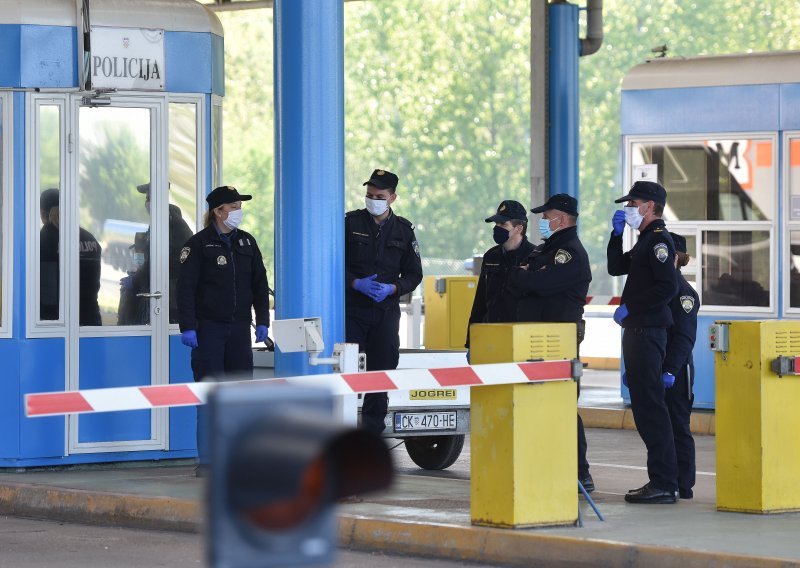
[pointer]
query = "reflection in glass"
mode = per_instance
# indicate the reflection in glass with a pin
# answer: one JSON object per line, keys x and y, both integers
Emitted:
{"x": 182, "y": 189}
{"x": 713, "y": 180}
{"x": 736, "y": 268}
{"x": 49, "y": 166}
{"x": 2, "y": 191}
{"x": 114, "y": 160}
{"x": 794, "y": 269}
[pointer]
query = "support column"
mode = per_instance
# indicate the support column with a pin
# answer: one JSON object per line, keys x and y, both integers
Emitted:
{"x": 309, "y": 170}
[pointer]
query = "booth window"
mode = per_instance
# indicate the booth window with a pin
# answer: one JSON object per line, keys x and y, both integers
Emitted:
{"x": 183, "y": 149}
{"x": 3, "y": 228}
{"x": 736, "y": 268}
{"x": 793, "y": 245}
{"x": 50, "y": 200}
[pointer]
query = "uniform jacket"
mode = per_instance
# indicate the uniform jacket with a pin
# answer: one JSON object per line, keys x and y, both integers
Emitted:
{"x": 681, "y": 336}
{"x": 554, "y": 287}
{"x": 221, "y": 283}
{"x": 390, "y": 250}
{"x": 494, "y": 303}
{"x": 652, "y": 279}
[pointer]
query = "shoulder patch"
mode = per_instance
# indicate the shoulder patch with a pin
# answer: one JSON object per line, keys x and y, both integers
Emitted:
{"x": 661, "y": 251}
{"x": 687, "y": 303}
{"x": 415, "y": 246}
{"x": 562, "y": 257}
{"x": 185, "y": 251}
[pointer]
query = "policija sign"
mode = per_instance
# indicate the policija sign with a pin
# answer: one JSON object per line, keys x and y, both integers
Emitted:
{"x": 127, "y": 59}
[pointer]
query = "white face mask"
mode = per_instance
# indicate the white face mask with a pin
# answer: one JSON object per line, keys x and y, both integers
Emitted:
{"x": 376, "y": 207}
{"x": 234, "y": 219}
{"x": 632, "y": 217}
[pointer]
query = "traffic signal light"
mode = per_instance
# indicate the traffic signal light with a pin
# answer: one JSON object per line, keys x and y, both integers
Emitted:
{"x": 279, "y": 464}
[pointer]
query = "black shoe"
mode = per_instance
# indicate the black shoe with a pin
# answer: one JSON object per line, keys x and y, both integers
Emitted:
{"x": 648, "y": 495}
{"x": 685, "y": 493}
{"x": 587, "y": 482}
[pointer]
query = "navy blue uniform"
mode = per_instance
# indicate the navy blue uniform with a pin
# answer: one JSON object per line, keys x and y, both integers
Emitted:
{"x": 389, "y": 250}
{"x": 649, "y": 288}
{"x": 494, "y": 302}
{"x": 680, "y": 342}
{"x": 553, "y": 289}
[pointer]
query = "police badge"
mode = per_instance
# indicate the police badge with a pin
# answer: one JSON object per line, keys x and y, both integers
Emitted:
{"x": 221, "y": 260}
{"x": 687, "y": 303}
{"x": 662, "y": 252}
{"x": 562, "y": 257}
{"x": 185, "y": 254}
{"x": 415, "y": 246}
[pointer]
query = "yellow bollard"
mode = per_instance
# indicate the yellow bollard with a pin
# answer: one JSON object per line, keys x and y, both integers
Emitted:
{"x": 757, "y": 421}
{"x": 524, "y": 462}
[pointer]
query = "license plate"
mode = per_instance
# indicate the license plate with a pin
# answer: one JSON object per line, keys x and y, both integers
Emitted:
{"x": 404, "y": 421}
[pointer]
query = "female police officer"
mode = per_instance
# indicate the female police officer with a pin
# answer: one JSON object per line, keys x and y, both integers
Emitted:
{"x": 222, "y": 277}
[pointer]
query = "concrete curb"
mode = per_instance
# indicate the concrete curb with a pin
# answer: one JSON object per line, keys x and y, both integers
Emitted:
{"x": 474, "y": 544}
{"x": 702, "y": 423}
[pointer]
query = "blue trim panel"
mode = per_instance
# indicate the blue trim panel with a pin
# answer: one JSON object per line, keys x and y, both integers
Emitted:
{"x": 107, "y": 457}
{"x": 42, "y": 369}
{"x": 697, "y": 110}
{"x": 9, "y": 48}
{"x": 182, "y": 420}
{"x": 48, "y": 56}
{"x": 10, "y": 399}
{"x": 309, "y": 108}
{"x": 195, "y": 62}
{"x": 790, "y": 107}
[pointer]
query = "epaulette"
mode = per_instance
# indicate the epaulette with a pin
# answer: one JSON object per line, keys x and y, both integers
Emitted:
{"x": 405, "y": 221}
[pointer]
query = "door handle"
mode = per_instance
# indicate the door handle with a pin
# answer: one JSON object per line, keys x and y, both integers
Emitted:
{"x": 155, "y": 295}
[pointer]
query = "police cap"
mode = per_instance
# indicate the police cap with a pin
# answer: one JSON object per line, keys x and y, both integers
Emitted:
{"x": 48, "y": 199}
{"x": 560, "y": 202}
{"x": 383, "y": 179}
{"x": 646, "y": 190}
{"x": 679, "y": 241}
{"x": 509, "y": 210}
{"x": 144, "y": 188}
{"x": 225, "y": 194}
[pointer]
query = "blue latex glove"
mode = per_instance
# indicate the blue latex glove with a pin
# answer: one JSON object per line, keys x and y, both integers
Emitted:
{"x": 126, "y": 283}
{"x": 468, "y": 358}
{"x": 189, "y": 338}
{"x": 261, "y": 333}
{"x": 625, "y": 379}
{"x": 669, "y": 380}
{"x": 618, "y": 222}
{"x": 620, "y": 314}
{"x": 367, "y": 286}
{"x": 382, "y": 292}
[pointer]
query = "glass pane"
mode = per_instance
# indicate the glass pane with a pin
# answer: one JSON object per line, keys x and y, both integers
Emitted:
{"x": 736, "y": 268}
{"x": 2, "y": 193}
{"x": 216, "y": 145}
{"x": 794, "y": 178}
{"x": 794, "y": 269}
{"x": 114, "y": 164}
{"x": 49, "y": 165}
{"x": 182, "y": 189}
{"x": 713, "y": 180}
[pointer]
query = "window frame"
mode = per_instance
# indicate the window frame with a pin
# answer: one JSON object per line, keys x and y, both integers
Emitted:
{"x": 788, "y": 225}
{"x": 6, "y": 207}
{"x": 698, "y": 227}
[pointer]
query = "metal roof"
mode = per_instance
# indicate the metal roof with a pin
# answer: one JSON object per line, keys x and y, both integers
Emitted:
{"x": 171, "y": 15}
{"x": 712, "y": 71}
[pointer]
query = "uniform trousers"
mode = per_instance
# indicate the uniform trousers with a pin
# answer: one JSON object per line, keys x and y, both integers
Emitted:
{"x": 679, "y": 401}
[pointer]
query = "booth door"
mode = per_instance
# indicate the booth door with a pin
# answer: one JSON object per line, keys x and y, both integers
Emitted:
{"x": 118, "y": 311}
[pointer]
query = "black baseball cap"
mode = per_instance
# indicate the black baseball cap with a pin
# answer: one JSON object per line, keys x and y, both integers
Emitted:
{"x": 679, "y": 241}
{"x": 144, "y": 188}
{"x": 383, "y": 179}
{"x": 225, "y": 194}
{"x": 647, "y": 190}
{"x": 509, "y": 210}
{"x": 48, "y": 199}
{"x": 560, "y": 202}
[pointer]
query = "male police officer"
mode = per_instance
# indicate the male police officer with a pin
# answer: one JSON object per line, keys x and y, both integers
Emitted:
{"x": 553, "y": 283}
{"x": 493, "y": 303}
{"x": 678, "y": 370}
{"x": 645, "y": 317}
{"x": 382, "y": 263}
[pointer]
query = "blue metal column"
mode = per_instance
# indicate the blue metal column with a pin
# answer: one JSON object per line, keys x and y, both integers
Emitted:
{"x": 309, "y": 170}
{"x": 563, "y": 95}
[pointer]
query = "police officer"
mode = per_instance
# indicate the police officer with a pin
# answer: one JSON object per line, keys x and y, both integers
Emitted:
{"x": 382, "y": 263}
{"x": 645, "y": 316}
{"x": 678, "y": 372}
{"x": 89, "y": 259}
{"x": 222, "y": 278}
{"x": 553, "y": 283}
{"x": 493, "y": 302}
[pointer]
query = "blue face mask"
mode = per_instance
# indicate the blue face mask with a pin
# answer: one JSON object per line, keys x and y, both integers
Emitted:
{"x": 544, "y": 228}
{"x": 500, "y": 235}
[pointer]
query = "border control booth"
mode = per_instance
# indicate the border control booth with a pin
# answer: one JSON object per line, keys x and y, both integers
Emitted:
{"x": 110, "y": 137}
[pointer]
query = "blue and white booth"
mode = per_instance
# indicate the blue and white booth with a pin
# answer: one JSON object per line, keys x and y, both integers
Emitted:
{"x": 110, "y": 122}
{"x": 722, "y": 134}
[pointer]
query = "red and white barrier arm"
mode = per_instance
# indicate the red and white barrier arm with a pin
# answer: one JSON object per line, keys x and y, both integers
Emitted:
{"x": 190, "y": 394}
{"x": 603, "y": 300}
